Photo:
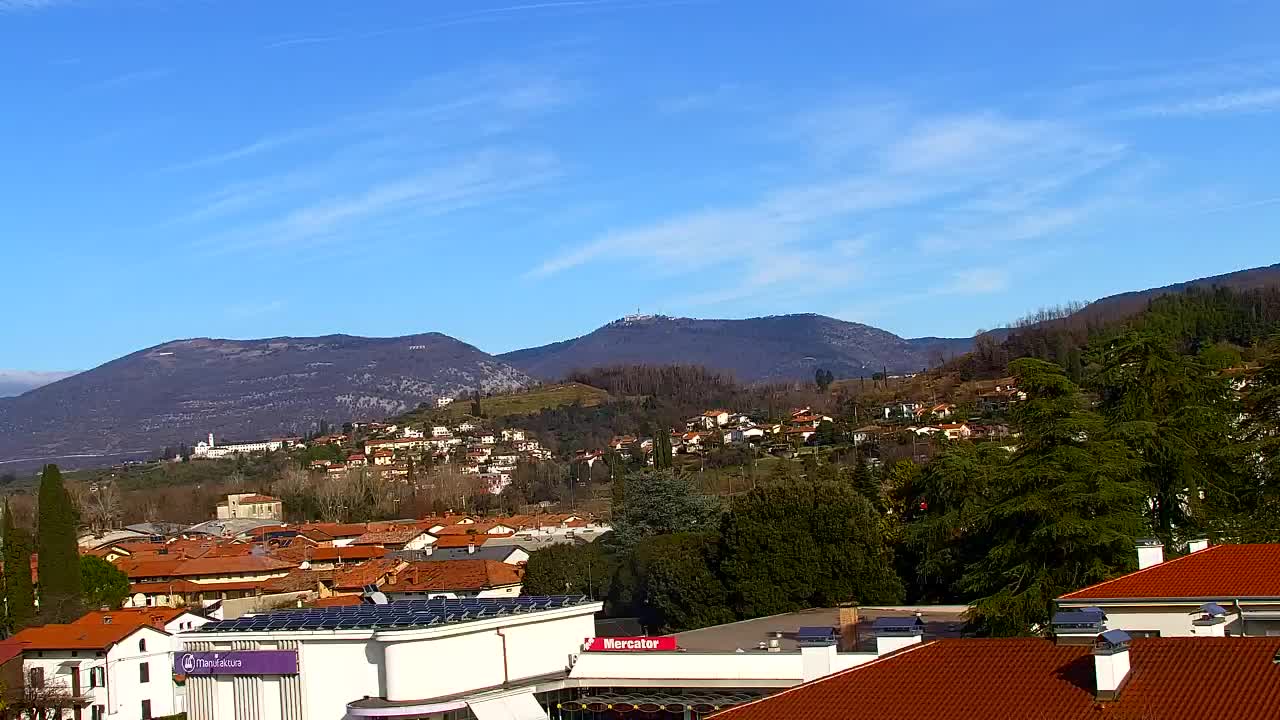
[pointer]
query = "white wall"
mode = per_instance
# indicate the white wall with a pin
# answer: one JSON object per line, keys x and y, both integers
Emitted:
{"x": 335, "y": 672}
{"x": 420, "y": 669}
{"x": 541, "y": 648}
{"x": 122, "y": 694}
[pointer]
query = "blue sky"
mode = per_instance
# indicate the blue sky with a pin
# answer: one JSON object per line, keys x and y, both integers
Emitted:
{"x": 514, "y": 173}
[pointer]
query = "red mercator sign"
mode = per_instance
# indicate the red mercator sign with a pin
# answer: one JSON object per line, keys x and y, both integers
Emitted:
{"x": 631, "y": 644}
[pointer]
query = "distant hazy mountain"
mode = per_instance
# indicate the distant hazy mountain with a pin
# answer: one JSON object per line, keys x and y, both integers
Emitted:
{"x": 779, "y": 347}
{"x": 16, "y": 382}
{"x": 179, "y": 391}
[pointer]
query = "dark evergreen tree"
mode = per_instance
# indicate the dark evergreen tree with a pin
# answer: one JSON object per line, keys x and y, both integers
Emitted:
{"x": 1174, "y": 412}
{"x": 58, "y": 557}
{"x": 1065, "y": 509}
{"x": 476, "y": 410}
{"x": 661, "y": 450}
{"x": 661, "y": 502}
{"x": 19, "y": 595}
{"x": 794, "y": 545}
{"x": 679, "y": 588}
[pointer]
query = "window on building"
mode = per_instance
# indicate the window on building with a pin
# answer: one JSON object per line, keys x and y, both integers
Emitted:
{"x": 142, "y": 645}
{"x": 144, "y": 672}
{"x": 35, "y": 677}
{"x": 97, "y": 677}
{"x": 97, "y": 712}
{"x": 146, "y": 710}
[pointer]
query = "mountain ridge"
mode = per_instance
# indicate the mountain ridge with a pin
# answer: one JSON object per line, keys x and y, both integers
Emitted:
{"x": 766, "y": 348}
{"x": 176, "y": 392}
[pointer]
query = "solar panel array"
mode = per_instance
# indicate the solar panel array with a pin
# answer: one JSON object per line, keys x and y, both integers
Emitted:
{"x": 402, "y": 614}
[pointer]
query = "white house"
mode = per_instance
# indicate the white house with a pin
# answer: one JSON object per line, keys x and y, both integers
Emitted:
{"x": 444, "y": 402}
{"x": 413, "y": 433}
{"x": 115, "y": 670}
{"x": 439, "y": 431}
{"x": 250, "y": 506}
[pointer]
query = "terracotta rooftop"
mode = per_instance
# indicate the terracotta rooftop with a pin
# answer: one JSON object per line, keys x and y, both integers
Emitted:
{"x": 203, "y": 566}
{"x": 476, "y": 528}
{"x": 461, "y": 541}
{"x": 258, "y": 499}
{"x": 453, "y": 575}
{"x": 336, "y": 601}
{"x": 1033, "y": 679}
{"x": 156, "y": 617}
{"x": 1220, "y": 571}
{"x": 345, "y": 554}
{"x": 369, "y": 572}
{"x": 398, "y": 536}
{"x": 336, "y": 530}
{"x": 76, "y": 636}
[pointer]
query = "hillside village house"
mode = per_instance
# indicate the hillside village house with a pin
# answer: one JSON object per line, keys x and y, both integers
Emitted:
{"x": 250, "y": 506}
{"x": 453, "y": 579}
{"x": 104, "y": 670}
{"x": 1218, "y": 590}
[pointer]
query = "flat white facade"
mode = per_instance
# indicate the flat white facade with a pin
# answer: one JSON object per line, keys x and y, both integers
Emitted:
{"x": 131, "y": 680}
{"x": 419, "y": 666}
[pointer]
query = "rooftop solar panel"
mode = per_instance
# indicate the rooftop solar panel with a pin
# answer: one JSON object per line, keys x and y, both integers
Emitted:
{"x": 398, "y": 614}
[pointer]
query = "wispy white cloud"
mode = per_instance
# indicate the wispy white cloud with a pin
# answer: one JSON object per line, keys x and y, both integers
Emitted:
{"x": 1261, "y": 99}
{"x": 29, "y": 5}
{"x": 978, "y": 180}
{"x": 131, "y": 78}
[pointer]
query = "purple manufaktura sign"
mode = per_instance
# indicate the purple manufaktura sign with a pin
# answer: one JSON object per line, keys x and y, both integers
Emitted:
{"x": 237, "y": 662}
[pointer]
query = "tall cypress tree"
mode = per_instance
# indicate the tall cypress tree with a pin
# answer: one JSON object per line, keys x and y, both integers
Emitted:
{"x": 19, "y": 595}
{"x": 59, "y": 561}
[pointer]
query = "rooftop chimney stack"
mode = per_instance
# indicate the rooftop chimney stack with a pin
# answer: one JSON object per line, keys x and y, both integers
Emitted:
{"x": 894, "y": 633}
{"x": 1078, "y": 627}
{"x": 1212, "y": 621}
{"x": 848, "y": 628}
{"x": 1150, "y": 552}
{"x": 471, "y": 548}
{"x": 1110, "y": 664}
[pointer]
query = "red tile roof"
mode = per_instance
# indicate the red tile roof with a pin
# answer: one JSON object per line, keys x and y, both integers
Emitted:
{"x": 461, "y": 541}
{"x": 1033, "y": 679}
{"x": 156, "y": 617}
{"x": 76, "y": 637}
{"x": 1217, "y": 572}
{"x": 398, "y": 536}
{"x": 477, "y": 528}
{"x": 369, "y": 572}
{"x": 203, "y": 566}
{"x": 10, "y": 650}
{"x": 336, "y": 530}
{"x": 442, "y": 575}
{"x": 346, "y": 554}
{"x": 258, "y": 499}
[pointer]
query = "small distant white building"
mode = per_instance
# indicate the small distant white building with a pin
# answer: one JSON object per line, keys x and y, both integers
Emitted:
{"x": 209, "y": 450}
{"x": 413, "y": 433}
{"x": 444, "y": 402}
{"x": 439, "y": 431}
{"x": 250, "y": 506}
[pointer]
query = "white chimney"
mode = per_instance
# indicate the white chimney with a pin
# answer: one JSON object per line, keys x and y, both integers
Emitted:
{"x": 1211, "y": 621}
{"x": 894, "y": 633}
{"x": 1150, "y": 552}
{"x": 775, "y": 640}
{"x": 817, "y": 661}
{"x": 471, "y": 548}
{"x": 1197, "y": 545}
{"x": 1110, "y": 663}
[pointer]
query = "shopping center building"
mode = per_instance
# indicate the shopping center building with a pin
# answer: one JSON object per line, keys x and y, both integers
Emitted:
{"x": 523, "y": 658}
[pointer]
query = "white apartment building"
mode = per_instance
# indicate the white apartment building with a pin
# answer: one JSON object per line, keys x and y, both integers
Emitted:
{"x": 251, "y": 506}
